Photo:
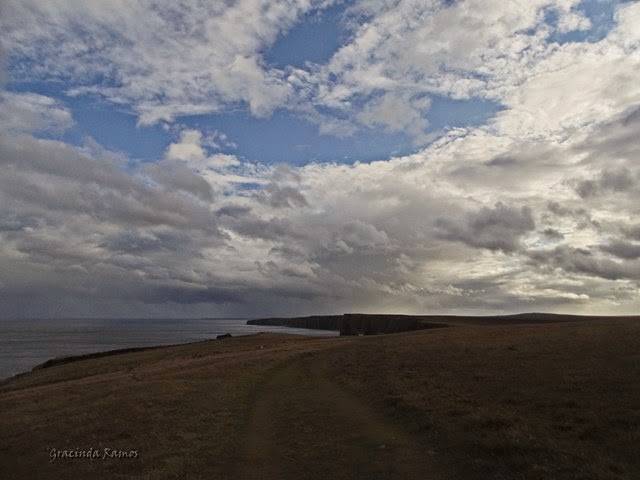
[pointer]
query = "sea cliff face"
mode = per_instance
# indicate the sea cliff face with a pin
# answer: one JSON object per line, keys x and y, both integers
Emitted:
{"x": 369, "y": 324}
{"x": 353, "y": 323}
{"x": 320, "y": 322}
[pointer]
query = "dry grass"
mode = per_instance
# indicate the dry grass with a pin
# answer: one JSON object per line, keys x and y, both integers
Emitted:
{"x": 555, "y": 401}
{"x": 183, "y": 408}
{"x": 536, "y": 402}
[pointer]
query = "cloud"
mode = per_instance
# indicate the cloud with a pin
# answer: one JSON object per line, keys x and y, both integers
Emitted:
{"x": 193, "y": 149}
{"x": 138, "y": 241}
{"x": 163, "y": 60}
{"x": 632, "y": 231}
{"x": 609, "y": 181}
{"x": 282, "y": 196}
{"x": 403, "y": 52}
{"x": 367, "y": 234}
{"x": 50, "y": 175}
{"x": 2, "y": 66}
{"x": 177, "y": 177}
{"x": 532, "y": 210}
{"x": 583, "y": 261}
{"x": 499, "y": 228}
{"x": 359, "y": 236}
{"x": 77, "y": 225}
{"x": 553, "y": 234}
{"x": 31, "y": 112}
{"x": 13, "y": 222}
{"x": 396, "y": 113}
{"x": 573, "y": 21}
{"x": 622, "y": 249}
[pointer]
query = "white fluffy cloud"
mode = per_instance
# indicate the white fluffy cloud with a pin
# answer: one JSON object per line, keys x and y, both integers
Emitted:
{"x": 185, "y": 58}
{"x": 162, "y": 59}
{"x": 466, "y": 49}
{"x": 192, "y": 150}
{"x": 31, "y": 112}
{"x": 534, "y": 211}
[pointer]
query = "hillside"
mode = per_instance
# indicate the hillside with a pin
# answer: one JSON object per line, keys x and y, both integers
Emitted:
{"x": 535, "y": 401}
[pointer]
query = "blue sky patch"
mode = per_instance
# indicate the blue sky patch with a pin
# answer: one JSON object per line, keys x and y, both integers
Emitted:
{"x": 313, "y": 39}
{"x": 600, "y": 12}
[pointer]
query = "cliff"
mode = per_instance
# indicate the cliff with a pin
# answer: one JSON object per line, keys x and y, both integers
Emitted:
{"x": 368, "y": 324}
{"x": 354, "y": 323}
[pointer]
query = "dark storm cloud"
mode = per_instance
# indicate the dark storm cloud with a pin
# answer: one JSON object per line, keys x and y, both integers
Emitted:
{"x": 274, "y": 228}
{"x": 188, "y": 294}
{"x": 562, "y": 210}
{"x": 58, "y": 160}
{"x": 283, "y": 190}
{"x": 553, "y": 234}
{"x": 279, "y": 196}
{"x": 175, "y": 176}
{"x": 579, "y": 214}
{"x": 359, "y": 236}
{"x": 78, "y": 229}
{"x": 609, "y": 181}
{"x": 131, "y": 262}
{"x": 616, "y": 139}
{"x": 234, "y": 211}
{"x": 288, "y": 252}
{"x": 138, "y": 206}
{"x": 13, "y": 222}
{"x": 584, "y": 261}
{"x": 498, "y": 228}
{"x": 632, "y": 231}
{"x": 3, "y": 59}
{"x": 269, "y": 268}
{"x": 622, "y": 249}
{"x": 48, "y": 248}
{"x": 512, "y": 168}
{"x": 502, "y": 161}
{"x": 117, "y": 280}
{"x": 51, "y": 176}
{"x": 140, "y": 241}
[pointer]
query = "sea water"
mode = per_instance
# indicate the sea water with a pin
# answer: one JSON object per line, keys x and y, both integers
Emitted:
{"x": 26, "y": 343}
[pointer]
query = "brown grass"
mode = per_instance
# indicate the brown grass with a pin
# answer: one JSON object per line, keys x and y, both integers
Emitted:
{"x": 554, "y": 401}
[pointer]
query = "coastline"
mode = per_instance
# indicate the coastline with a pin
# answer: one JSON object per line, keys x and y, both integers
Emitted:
{"x": 347, "y": 325}
{"x": 27, "y": 344}
{"x": 472, "y": 401}
{"x": 375, "y": 324}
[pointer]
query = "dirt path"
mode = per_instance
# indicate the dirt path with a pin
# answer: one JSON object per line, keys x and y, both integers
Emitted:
{"x": 303, "y": 426}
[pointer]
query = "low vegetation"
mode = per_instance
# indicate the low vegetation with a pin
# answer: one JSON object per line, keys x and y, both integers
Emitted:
{"x": 538, "y": 401}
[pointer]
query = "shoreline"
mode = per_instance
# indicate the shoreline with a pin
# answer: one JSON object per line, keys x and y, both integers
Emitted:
{"x": 348, "y": 325}
{"x": 514, "y": 400}
{"x": 45, "y": 357}
{"x": 375, "y": 324}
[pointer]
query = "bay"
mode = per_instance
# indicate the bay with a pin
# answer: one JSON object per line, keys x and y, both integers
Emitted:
{"x": 25, "y": 343}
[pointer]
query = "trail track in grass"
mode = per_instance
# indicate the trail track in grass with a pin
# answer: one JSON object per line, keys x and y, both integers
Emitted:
{"x": 303, "y": 425}
{"x": 470, "y": 402}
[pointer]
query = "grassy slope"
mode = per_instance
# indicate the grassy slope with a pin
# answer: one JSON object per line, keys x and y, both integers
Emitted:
{"x": 557, "y": 401}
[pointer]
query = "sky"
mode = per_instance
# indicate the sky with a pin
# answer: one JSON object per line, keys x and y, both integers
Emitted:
{"x": 257, "y": 157}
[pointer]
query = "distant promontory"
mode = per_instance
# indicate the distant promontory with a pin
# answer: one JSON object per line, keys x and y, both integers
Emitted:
{"x": 373, "y": 324}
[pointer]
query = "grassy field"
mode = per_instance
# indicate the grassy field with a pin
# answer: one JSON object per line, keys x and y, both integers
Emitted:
{"x": 548, "y": 401}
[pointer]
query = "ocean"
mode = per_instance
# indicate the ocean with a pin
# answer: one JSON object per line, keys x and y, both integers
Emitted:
{"x": 26, "y": 343}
